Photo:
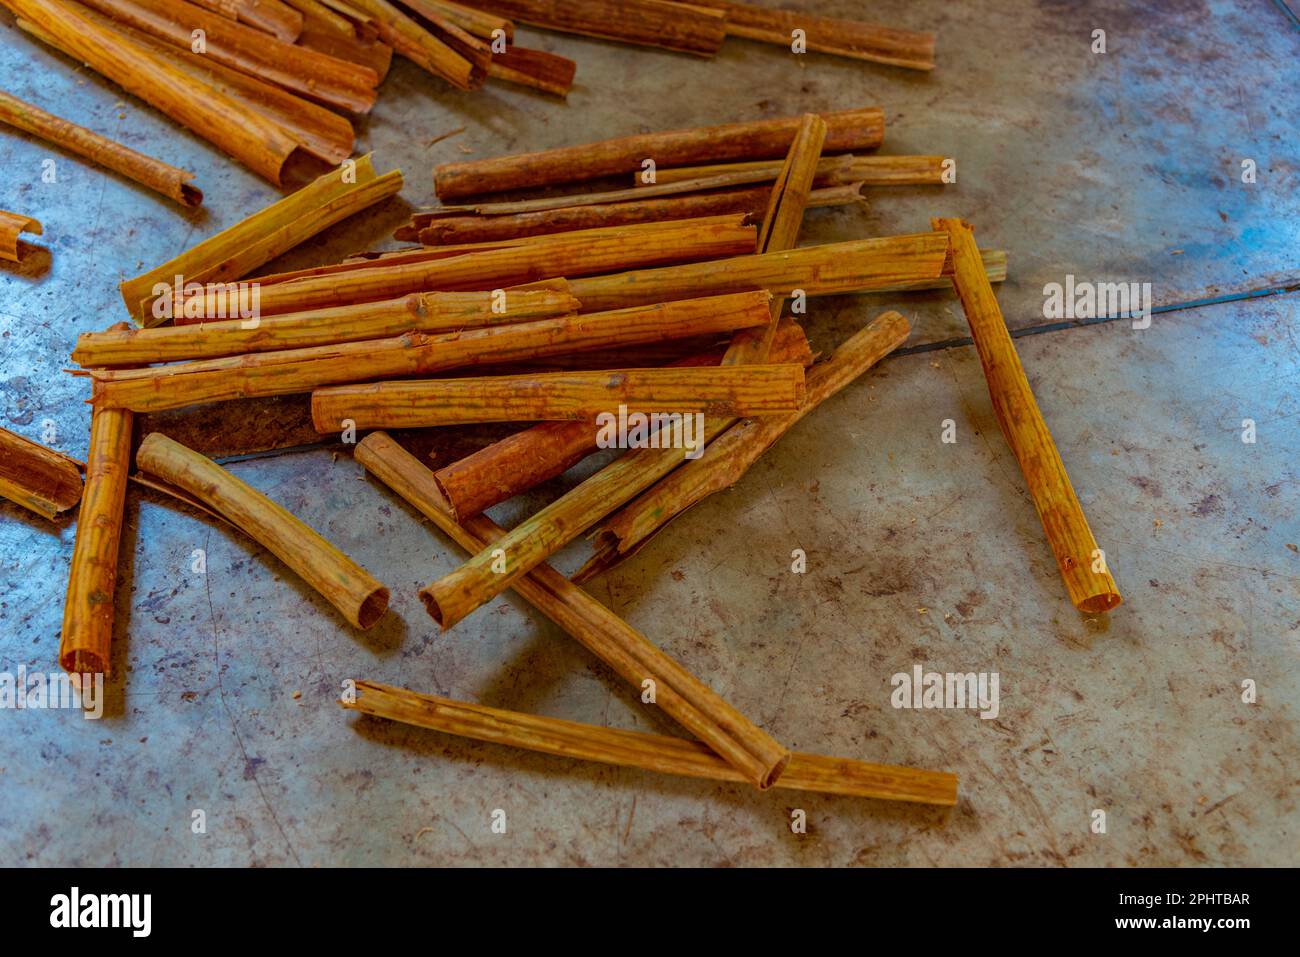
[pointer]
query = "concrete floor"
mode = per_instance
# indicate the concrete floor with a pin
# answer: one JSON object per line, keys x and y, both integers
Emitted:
{"x": 1116, "y": 167}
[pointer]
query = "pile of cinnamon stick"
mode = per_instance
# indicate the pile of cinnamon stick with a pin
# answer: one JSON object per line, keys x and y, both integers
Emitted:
{"x": 556, "y": 322}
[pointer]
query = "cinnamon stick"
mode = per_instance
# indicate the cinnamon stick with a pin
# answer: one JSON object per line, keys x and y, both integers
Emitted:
{"x": 245, "y": 134}
{"x": 869, "y": 170}
{"x": 347, "y": 586}
{"x": 157, "y": 175}
{"x": 419, "y": 312}
{"x": 537, "y": 69}
{"x": 638, "y": 749}
{"x": 558, "y": 397}
{"x": 525, "y": 459}
{"x": 1081, "y": 563}
{"x": 36, "y": 477}
{"x": 756, "y": 757}
{"x": 302, "y": 370}
{"x": 847, "y": 130}
{"x": 420, "y": 46}
{"x": 270, "y": 16}
{"x": 236, "y": 251}
{"x": 12, "y": 225}
{"x": 84, "y": 647}
{"x": 728, "y": 457}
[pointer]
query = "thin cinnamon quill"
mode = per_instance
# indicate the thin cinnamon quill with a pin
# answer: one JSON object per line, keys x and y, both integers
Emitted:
{"x": 347, "y": 586}
{"x": 302, "y": 370}
{"x": 753, "y": 753}
{"x": 245, "y": 134}
{"x": 728, "y": 457}
{"x": 419, "y": 312}
{"x": 847, "y": 131}
{"x": 159, "y": 176}
{"x": 868, "y": 170}
{"x": 84, "y": 647}
{"x": 638, "y": 749}
{"x": 1081, "y": 563}
{"x": 237, "y": 251}
{"x": 525, "y": 459}
{"x": 37, "y": 477}
{"x": 558, "y": 397}
{"x": 12, "y": 225}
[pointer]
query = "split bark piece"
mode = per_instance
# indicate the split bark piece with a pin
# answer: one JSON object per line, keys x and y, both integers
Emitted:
{"x": 270, "y": 16}
{"x": 558, "y": 397}
{"x": 374, "y": 55}
{"x": 145, "y": 170}
{"x": 847, "y": 38}
{"x": 477, "y": 22}
{"x": 753, "y": 753}
{"x": 420, "y": 312}
{"x": 847, "y": 131}
{"x": 1026, "y": 432}
{"x": 565, "y": 254}
{"x": 241, "y": 132}
{"x": 237, "y": 251}
{"x": 88, "y": 609}
{"x": 653, "y": 23}
{"x": 525, "y": 459}
{"x": 342, "y": 582}
{"x": 537, "y": 69}
{"x": 302, "y": 370}
{"x": 649, "y": 752}
{"x": 36, "y": 477}
{"x": 12, "y": 225}
{"x": 456, "y": 230}
{"x": 727, "y": 458}
{"x": 868, "y": 170}
{"x": 326, "y": 79}
{"x": 418, "y": 45}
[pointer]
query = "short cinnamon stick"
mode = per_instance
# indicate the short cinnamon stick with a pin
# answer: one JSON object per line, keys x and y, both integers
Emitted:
{"x": 847, "y": 131}
{"x": 84, "y": 647}
{"x": 420, "y": 46}
{"x": 650, "y": 752}
{"x": 1081, "y": 563}
{"x": 12, "y": 225}
{"x": 537, "y": 69}
{"x": 36, "y": 477}
{"x": 344, "y": 584}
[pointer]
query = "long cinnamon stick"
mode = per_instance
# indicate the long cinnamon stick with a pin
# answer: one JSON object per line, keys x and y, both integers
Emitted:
{"x": 344, "y": 584}
{"x": 558, "y": 397}
{"x": 638, "y": 749}
{"x": 728, "y": 457}
{"x": 419, "y": 312}
{"x": 36, "y": 477}
{"x": 234, "y": 252}
{"x": 869, "y": 170}
{"x": 159, "y": 176}
{"x": 84, "y": 647}
{"x": 525, "y": 459}
{"x": 1081, "y": 563}
{"x": 302, "y": 370}
{"x": 245, "y": 134}
{"x": 12, "y": 225}
{"x": 734, "y": 738}
{"x": 760, "y": 139}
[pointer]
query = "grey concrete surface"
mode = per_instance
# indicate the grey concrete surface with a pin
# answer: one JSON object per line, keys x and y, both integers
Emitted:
{"x": 1117, "y": 167}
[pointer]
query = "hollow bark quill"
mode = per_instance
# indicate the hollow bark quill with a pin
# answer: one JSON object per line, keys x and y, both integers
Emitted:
{"x": 728, "y": 457}
{"x": 12, "y": 225}
{"x": 302, "y": 370}
{"x": 525, "y": 459}
{"x": 237, "y": 251}
{"x": 431, "y": 312}
{"x": 754, "y": 754}
{"x": 418, "y": 45}
{"x": 84, "y": 647}
{"x": 168, "y": 180}
{"x": 232, "y": 126}
{"x": 650, "y": 752}
{"x": 558, "y": 397}
{"x": 36, "y": 477}
{"x": 347, "y": 586}
{"x": 1080, "y": 561}
{"x": 868, "y": 170}
{"x": 760, "y": 139}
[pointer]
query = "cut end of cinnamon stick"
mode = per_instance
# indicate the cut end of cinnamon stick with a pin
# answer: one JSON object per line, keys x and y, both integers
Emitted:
{"x": 373, "y": 608}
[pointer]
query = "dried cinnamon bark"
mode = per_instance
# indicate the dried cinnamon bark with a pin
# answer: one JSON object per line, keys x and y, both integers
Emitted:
{"x": 420, "y": 46}
{"x": 537, "y": 69}
{"x": 12, "y": 225}
{"x": 344, "y": 584}
{"x": 650, "y": 752}
{"x": 1081, "y": 563}
{"x": 36, "y": 477}
{"x": 868, "y": 170}
{"x": 847, "y": 131}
